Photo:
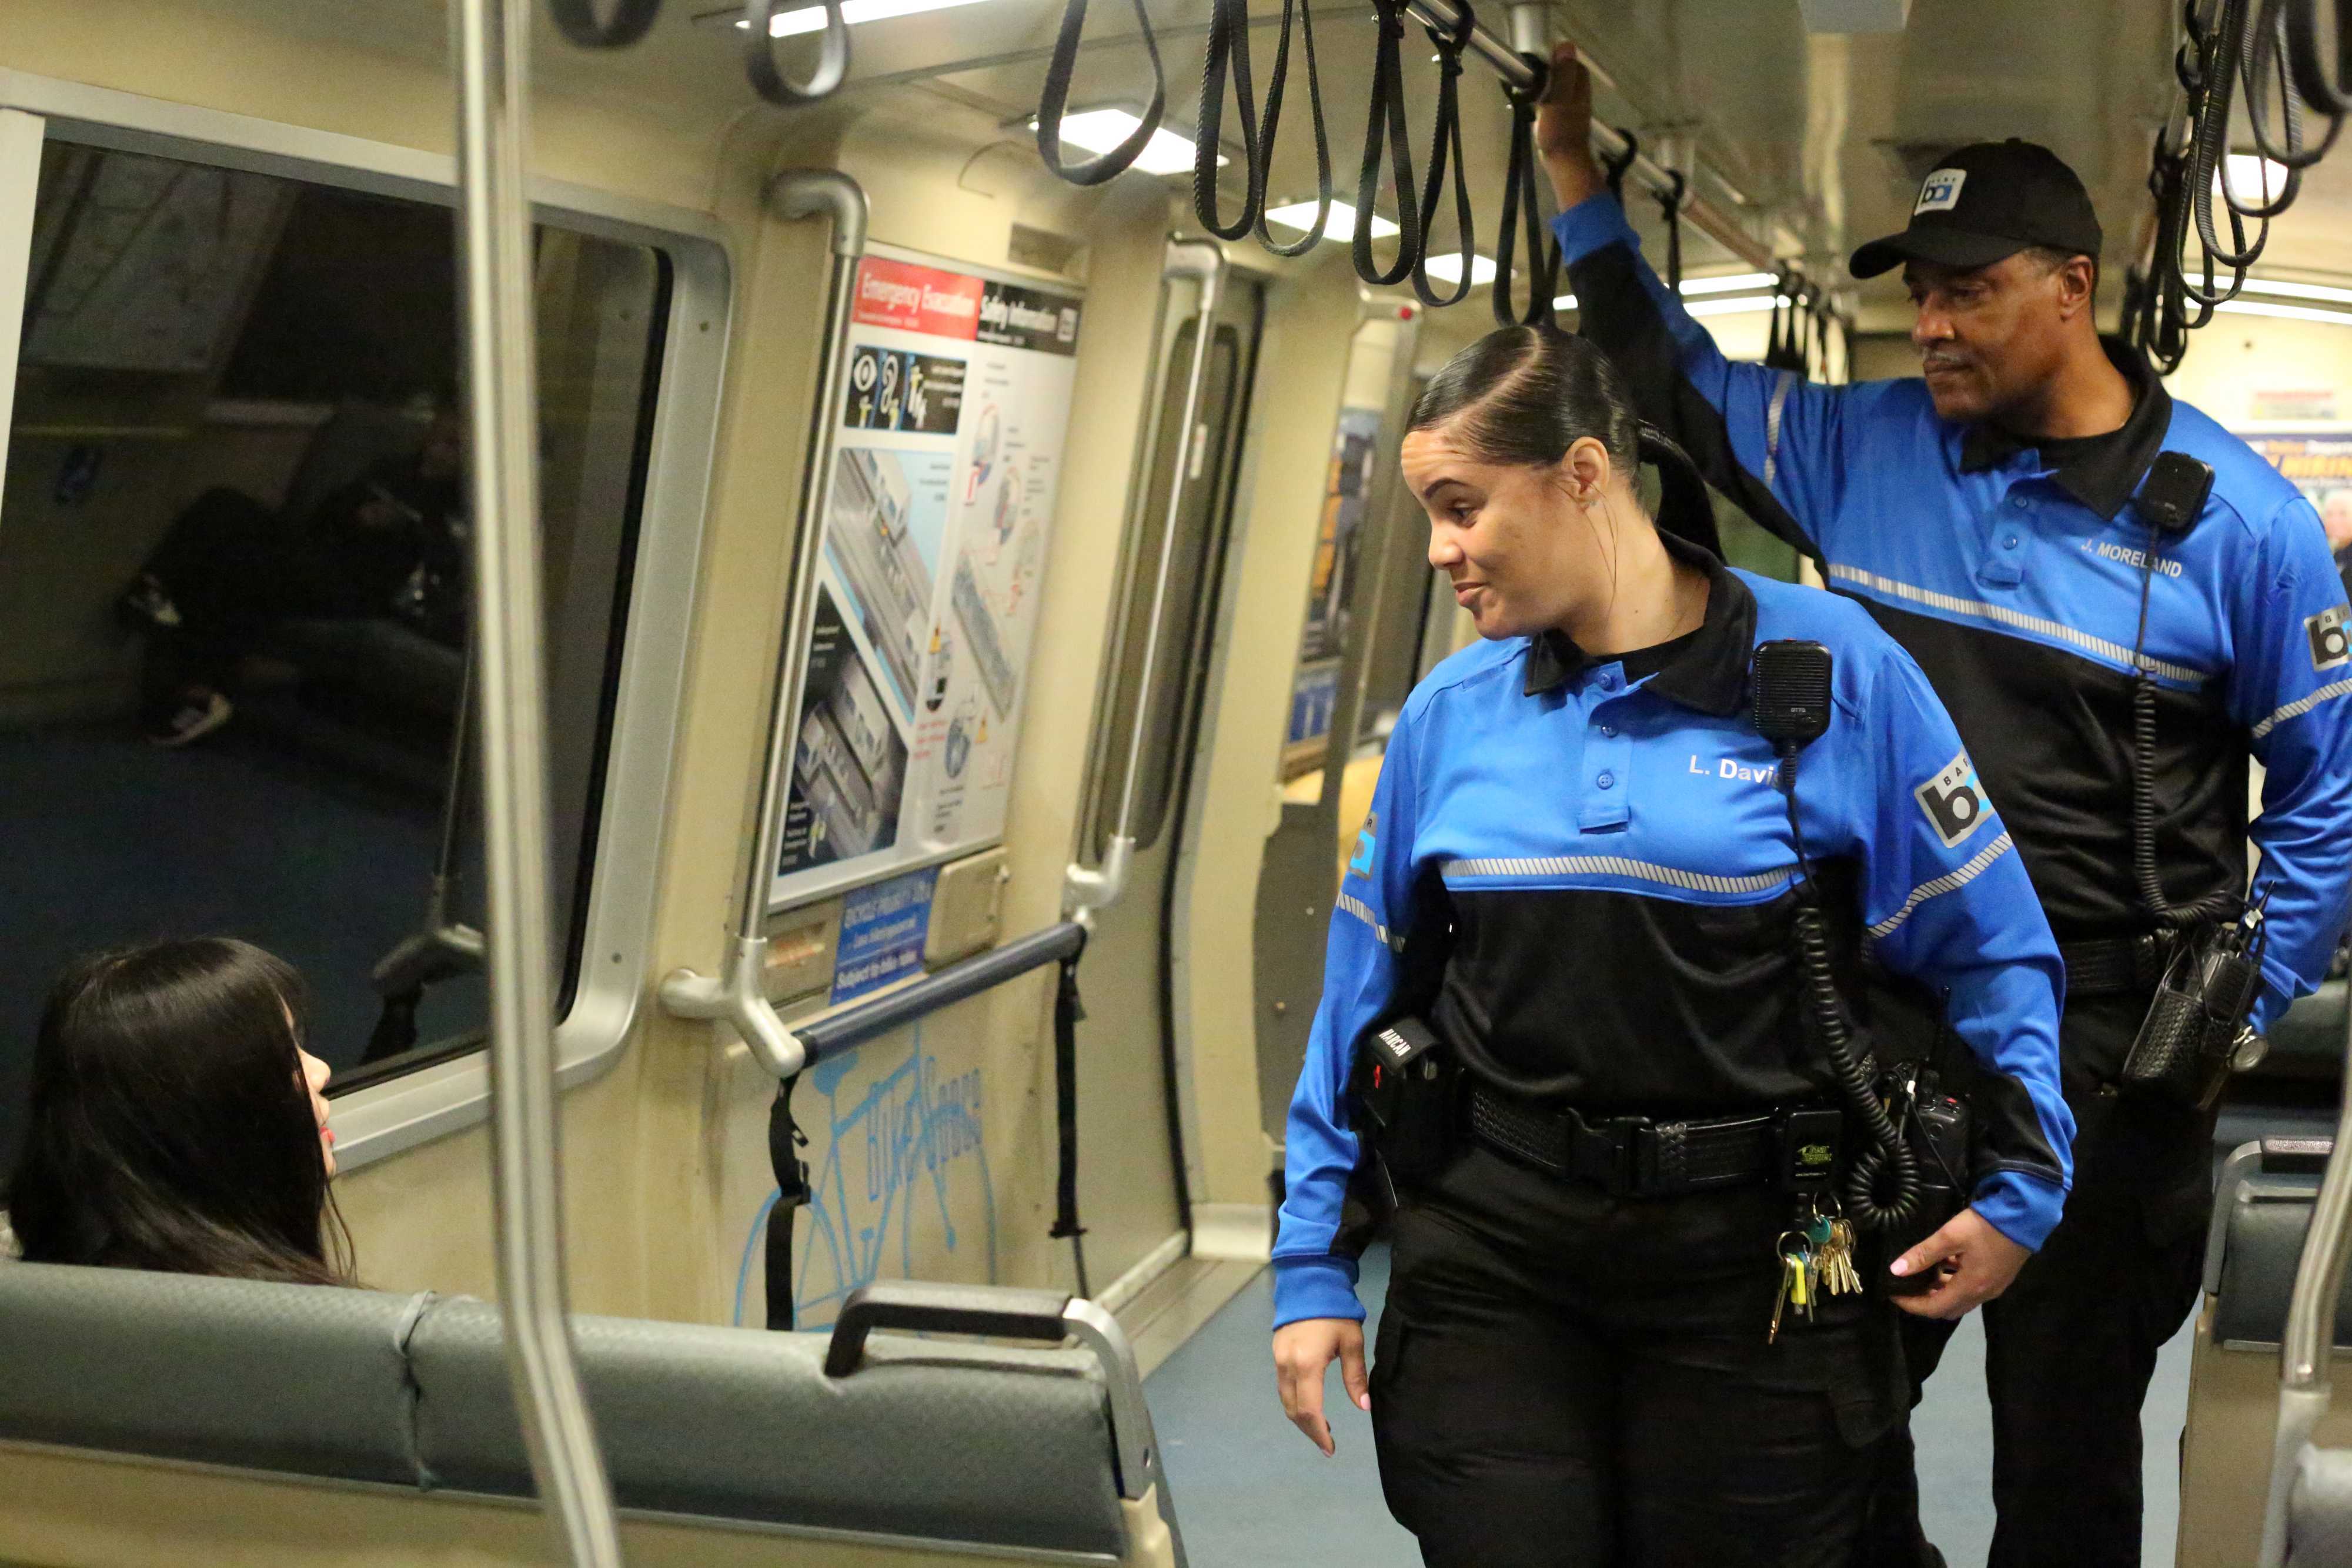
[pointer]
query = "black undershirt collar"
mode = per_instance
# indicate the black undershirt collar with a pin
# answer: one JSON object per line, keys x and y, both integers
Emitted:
{"x": 1706, "y": 669}
{"x": 2100, "y": 471}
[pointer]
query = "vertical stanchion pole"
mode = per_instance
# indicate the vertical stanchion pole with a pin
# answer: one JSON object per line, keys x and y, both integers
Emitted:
{"x": 490, "y": 48}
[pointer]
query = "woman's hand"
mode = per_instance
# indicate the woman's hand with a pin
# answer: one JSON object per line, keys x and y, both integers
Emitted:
{"x": 1977, "y": 1263}
{"x": 1564, "y": 130}
{"x": 1302, "y": 1351}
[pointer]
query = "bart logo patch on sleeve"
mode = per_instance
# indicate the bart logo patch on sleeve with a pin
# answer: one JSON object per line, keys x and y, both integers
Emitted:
{"x": 1954, "y": 801}
{"x": 1940, "y": 191}
{"x": 2331, "y": 641}
{"x": 1367, "y": 842}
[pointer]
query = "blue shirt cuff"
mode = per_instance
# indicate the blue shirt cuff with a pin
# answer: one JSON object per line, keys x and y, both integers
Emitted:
{"x": 2025, "y": 1209}
{"x": 1318, "y": 1285}
{"x": 1594, "y": 223}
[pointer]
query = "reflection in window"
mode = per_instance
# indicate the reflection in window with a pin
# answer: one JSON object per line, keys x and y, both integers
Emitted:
{"x": 233, "y": 604}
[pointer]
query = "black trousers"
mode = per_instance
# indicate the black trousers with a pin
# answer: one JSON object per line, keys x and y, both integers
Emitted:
{"x": 1565, "y": 1378}
{"x": 2070, "y": 1348}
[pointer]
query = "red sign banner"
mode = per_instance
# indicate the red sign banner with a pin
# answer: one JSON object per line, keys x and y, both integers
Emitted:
{"x": 918, "y": 298}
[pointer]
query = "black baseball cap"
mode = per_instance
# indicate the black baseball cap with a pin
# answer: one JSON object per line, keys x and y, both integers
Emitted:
{"x": 1986, "y": 203}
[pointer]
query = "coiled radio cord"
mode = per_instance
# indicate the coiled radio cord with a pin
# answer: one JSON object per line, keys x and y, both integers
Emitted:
{"x": 1881, "y": 1190}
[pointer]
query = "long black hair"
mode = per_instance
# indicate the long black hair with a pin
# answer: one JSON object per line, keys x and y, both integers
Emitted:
{"x": 1525, "y": 394}
{"x": 170, "y": 1127}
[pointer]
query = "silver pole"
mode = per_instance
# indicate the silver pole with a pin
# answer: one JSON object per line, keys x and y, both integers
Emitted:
{"x": 1086, "y": 891}
{"x": 2306, "y": 1346}
{"x": 491, "y": 44}
{"x": 799, "y": 194}
{"x": 736, "y": 998}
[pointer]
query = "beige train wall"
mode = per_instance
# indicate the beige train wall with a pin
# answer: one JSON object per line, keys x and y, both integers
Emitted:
{"x": 665, "y": 1155}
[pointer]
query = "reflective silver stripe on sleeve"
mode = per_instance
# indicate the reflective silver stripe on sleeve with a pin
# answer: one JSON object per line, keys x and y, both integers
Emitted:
{"x": 1786, "y": 384}
{"x": 2300, "y": 706}
{"x": 1350, "y": 904}
{"x": 1611, "y": 865}
{"x": 2001, "y": 613}
{"x": 1947, "y": 883}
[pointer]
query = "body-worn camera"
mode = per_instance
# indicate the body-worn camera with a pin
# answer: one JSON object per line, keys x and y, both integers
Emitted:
{"x": 1409, "y": 1087}
{"x": 1937, "y": 1126}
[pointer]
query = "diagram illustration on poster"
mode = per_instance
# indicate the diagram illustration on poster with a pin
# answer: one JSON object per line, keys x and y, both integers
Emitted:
{"x": 948, "y": 457}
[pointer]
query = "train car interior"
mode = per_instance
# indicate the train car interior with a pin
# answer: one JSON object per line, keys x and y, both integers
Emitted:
{"x": 790, "y": 614}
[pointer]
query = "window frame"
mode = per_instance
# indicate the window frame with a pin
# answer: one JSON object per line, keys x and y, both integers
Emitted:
{"x": 628, "y": 825}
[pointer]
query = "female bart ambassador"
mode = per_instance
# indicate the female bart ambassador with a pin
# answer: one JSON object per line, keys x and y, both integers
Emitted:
{"x": 1615, "y": 1331}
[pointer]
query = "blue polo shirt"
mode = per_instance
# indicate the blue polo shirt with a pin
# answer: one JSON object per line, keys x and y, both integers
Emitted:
{"x": 1605, "y": 870}
{"x": 2014, "y": 578}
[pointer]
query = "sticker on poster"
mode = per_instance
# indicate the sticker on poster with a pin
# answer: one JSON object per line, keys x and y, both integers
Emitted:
{"x": 883, "y": 928}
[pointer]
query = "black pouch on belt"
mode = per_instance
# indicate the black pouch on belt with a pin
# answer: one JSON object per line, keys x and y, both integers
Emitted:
{"x": 1409, "y": 1088}
{"x": 2191, "y": 1035}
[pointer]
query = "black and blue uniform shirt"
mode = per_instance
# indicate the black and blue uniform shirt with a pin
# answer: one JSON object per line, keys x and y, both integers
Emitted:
{"x": 1605, "y": 867}
{"x": 2013, "y": 575}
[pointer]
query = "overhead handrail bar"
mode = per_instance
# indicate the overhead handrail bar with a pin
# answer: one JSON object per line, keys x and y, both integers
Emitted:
{"x": 738, "y": 996}
{"x": 2306, "y": 1346}
{"x": 1085, "y": 891}
{"x": 490, "y": 51}
{"x": 958, "y": 982}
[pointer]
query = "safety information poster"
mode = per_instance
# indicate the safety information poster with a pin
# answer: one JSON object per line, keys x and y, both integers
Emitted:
{"x": 948, "y": 455}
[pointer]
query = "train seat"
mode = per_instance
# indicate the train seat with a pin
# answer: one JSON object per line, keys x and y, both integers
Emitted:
{"x": 2262, "y": 1208}
{"x": 148, "y": 1418}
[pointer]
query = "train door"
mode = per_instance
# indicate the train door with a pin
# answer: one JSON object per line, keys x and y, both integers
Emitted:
{"x": 1133, "y": 1179}
{"x": 1363, "y": 613}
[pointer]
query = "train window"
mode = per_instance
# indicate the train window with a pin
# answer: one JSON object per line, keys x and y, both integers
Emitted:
{"x": 234, "y": 607}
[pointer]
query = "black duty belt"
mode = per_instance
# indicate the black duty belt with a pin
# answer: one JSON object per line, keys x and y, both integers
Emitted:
{"x": 1633, "y": 1156}
{"x": 2115, "y": 965}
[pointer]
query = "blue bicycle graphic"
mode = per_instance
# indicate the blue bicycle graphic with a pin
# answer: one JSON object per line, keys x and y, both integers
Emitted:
{"x": 912, "y": 1129}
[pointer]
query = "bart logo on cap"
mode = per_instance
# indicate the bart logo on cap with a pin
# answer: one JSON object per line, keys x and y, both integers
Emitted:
{"x": 1954, "y": 801}
{"x": 1940, "y": 191}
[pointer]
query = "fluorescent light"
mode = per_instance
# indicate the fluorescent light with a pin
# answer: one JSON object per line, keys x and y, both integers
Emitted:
{"x": 1300, "y": 216}
{"x": 1565, "y": 302}
{"x": 2285, "y": 312}
{"x": 1729, "y": 307}
{"x": 2299, "y": 290}
{"x": 2253, "y": 179}
{"x": 1100, "y": 130}
{"x": 1732, "y": 284}
{"x": 1447, "y": 268}
{"x": 811, "y": 18}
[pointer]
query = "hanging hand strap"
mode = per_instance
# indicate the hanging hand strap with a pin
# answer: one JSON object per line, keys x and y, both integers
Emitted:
{"x": 1273, "y": 117}
{"x": 1067, "y": 1014}
{"x": 1229, "y": 30}
{"x": 1387, "y": 119}
{"x": 576, "y": 20}
{"x": 1519, "y": 197}
{"x": 1444, "y": 144}
{"x": 1055, "y": 102}
{"x": 1616, "y": 167}
{"x": 760, "y": 56}
{"x": 1670, "y": 204}
{"x": 785, "y": 1142}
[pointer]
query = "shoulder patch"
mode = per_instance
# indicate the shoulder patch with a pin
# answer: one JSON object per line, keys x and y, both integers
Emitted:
{"x": 1367, "y": 843}
{"x": 2331, "y": 643}
{"x": 1954, "y": 802}
{"x": 1940, "y": 191}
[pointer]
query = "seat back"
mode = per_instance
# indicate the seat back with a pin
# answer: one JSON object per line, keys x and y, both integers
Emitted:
{"x": 925, "y": 1451}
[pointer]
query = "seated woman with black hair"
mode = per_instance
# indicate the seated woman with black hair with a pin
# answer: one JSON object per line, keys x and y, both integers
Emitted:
{"x": 177, "y": 1124}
